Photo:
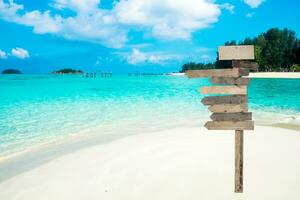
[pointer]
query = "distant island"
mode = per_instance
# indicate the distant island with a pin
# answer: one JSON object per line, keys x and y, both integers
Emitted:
{"x": 67, "y": 71}
{"x": 11, "y": 71}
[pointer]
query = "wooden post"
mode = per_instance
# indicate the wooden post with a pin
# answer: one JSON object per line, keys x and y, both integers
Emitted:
{"x": 239, "y": 148}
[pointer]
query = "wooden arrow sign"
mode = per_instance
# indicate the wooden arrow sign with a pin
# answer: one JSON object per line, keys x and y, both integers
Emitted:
{"x": 229, "y": 108}
{"x": 231, "y": 116}
{"x": 229, "y": 125}
{"x": 235, "y": 72}
{"x": 224, "y": 90}
{"x": 230, "y": 81}
{"x": 245, "y": 64}
{"x": 230, "y": 99}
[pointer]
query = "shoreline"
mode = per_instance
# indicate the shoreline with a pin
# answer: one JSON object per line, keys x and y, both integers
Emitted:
{"x": 96, "y": 139}
{"x": 275, "y": 75}
{"x": 177, "y": 163}
{"x": 261, "y": 74}
{"x": 287, "y": 121}
{"x": 40, "y": 154}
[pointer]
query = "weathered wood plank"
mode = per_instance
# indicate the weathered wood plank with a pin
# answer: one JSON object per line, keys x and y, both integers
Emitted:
{"x": 224, "y": 90}
{"x": 239, "y": 151}
{"x": 230, "y": 99}
{"x": 229, "y": 108}
{"x": 235, "y": 72}
{"x": 245, "y": 64}
{"x": 230, "y": 81}
{"x": 231, "y": 116}
{"x": 241, "y": 52}
{"x": 230, "y": 125}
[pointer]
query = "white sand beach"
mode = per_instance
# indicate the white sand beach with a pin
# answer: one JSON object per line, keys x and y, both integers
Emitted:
{"x": 186, "y": 163}
{"x": 262, "y": 74}
{"x": 275, "y": 75}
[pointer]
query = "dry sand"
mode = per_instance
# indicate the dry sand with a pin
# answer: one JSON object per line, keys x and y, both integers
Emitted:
{"x": 190, "y": 163}
{"x": 275, "y": 75}
{"x": 262, "y": 74}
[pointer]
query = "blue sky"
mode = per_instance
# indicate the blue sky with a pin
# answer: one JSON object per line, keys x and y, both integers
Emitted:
{"x": 130, "y": 35}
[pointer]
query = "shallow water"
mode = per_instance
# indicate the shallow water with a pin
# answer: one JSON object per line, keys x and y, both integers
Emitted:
{"x": 40, "y": 109}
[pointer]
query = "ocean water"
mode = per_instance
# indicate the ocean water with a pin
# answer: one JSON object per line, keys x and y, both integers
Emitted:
{"x": 43, "y": 109}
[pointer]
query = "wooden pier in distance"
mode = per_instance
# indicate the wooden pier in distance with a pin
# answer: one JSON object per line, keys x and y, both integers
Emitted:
{"x": 97, "y": 75}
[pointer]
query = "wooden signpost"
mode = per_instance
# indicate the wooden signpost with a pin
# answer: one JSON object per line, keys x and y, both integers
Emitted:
{"x": 230, "y": 111}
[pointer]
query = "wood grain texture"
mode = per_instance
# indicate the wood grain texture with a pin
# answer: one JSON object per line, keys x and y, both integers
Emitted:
{"x": 245, "y": 64}
{"x": 230, "y": 99}
{"x": 229, "y": 108}
{"x": 230, "y": 125}
{"x": 230, "y": 81}
{"x": 234, "y": 72}
{"x": 239, "y": 151}
{"x": 231, "y": 116}
{"x": 224, "y": 90}
{"x": 236, "y": 52}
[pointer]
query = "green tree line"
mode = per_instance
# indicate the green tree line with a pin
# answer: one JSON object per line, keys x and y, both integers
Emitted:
{"x": 194, "y": 66}
{"x": 275, "y": 50}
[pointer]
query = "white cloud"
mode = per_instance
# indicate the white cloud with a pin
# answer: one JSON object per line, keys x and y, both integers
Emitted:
{"x": 251, "y": 14}
{"x": 2, "y": 54}
{"x": 253, "y": 3}
{"x": 20, "y": 53}
{"x": 136, "y": 57}
{"x": 98, "y": 26}
{"x": 82, "y": 6}
{"x": 228, "y": 6}
{"x": 168, "y": 19}
{"x": 205, "y": 57}
{"x": 162, "y": 19}
{"x": 139, "y": 45}
{"x": 41, "y": 22}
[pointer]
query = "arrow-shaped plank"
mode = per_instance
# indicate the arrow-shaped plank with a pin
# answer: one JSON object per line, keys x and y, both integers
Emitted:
{"x": 230, "y": 99}
{"x": 234, "y": 72}
{"x": 245, "y": 64}
{"x": 230, "y": 80}
{"x": 224, "y": 90}
{"x": 230, "y": 125}
{"x": 231, "y": 116}
{"x": 229, "y": 108}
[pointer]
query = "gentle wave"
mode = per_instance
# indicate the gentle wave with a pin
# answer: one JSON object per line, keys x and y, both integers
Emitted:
{"x": 37, "y": 110}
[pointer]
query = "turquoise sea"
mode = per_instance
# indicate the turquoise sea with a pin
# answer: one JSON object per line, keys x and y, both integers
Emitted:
{"x": 43, "y": 109}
